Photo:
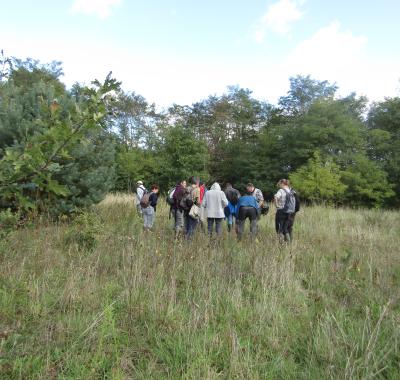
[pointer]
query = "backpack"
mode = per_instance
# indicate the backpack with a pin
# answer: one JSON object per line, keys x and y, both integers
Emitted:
{"x": 186, "y": 202}
{"x": 145, "y": 201}
{"x": 170, "y": 196}
{"x": 141, "y": 187}
{"x": 290, "y": 202}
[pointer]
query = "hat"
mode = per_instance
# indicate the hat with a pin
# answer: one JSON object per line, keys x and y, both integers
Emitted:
{"x": 139, "y": 182}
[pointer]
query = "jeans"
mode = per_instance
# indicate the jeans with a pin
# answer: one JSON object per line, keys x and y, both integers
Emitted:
{"x": 148, "y": 216}
{"x": 284, "y": 224}
{"x": 244, "y": 213}
{"x": 230, "y": 220}
{"x": 190, "y": 225}
{"x": 218, "y": 225}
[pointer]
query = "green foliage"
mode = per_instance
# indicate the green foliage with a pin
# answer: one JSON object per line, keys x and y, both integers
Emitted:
{"x": 367, "y": 184}
{"x": 303, "y": 92}
{"x": 142, "y": 306}
{"x": 8, "y": 222}
{"x": 182, "y": 155}
{"x": 84, "y": 231}
{"x": 384, "y": 140}
{"x": 132, "y": 165}
{"x": 319, "y": 180}
{"x": 55, "y": 154}
{"x": 65, "y": 149}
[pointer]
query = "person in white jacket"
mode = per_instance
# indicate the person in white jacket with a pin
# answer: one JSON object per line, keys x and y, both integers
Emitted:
{"x": 214, "y": 202}
{"x": 140, "y": 191}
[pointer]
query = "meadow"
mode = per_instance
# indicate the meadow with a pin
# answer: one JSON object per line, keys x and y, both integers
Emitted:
{"x": 96, "y": 298}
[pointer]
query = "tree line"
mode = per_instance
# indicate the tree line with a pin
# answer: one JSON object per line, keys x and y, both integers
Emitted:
{"x": 64, "y": 149}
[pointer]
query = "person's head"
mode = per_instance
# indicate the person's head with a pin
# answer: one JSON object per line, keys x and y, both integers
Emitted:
{"x": 250, "y": 188}
{"x": 139, "y": 183}
{"x": 155, "y": 189}
{"x": 193, "y": 181}
{"x": 283, "y": 183}
{"x": 183, "y": 183}
{"x": 228, "y": 185}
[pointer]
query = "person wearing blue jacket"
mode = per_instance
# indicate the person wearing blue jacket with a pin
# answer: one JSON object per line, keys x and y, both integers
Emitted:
{"x": 247, "y": 207}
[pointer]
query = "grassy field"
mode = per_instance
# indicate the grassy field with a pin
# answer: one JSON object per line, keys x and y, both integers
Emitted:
{"x": 96, "y": 298}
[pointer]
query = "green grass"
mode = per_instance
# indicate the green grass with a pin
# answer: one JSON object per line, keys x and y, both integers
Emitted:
{"x": 97, "y": 299}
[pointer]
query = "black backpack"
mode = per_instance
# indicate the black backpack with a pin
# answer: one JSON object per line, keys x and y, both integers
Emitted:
{"x": 290, "y": 202}
{"x": 186, "y": 202}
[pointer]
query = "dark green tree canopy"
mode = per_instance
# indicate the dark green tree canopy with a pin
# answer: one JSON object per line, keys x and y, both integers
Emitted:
{"x": 65, "y": 148}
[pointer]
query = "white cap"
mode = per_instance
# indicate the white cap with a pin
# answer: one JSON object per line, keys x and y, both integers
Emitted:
{"x": 139, "y": 182}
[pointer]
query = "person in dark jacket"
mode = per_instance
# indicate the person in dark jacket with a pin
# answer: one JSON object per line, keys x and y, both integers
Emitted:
{"x": 177, "y": 210}
{"x": 149, "y": 213}
{"x": 233, "y": 196}
{"x": 247, "y": 207}
{"x": 285, "y": 212}
{"x": 194, "y": 199}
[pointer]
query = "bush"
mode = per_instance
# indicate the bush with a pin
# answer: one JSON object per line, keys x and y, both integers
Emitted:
{"x": 84, "y": 231}
{"x": 8, "y": 222}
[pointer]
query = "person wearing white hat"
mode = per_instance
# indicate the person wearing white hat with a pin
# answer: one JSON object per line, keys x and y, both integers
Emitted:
{"x": 140, "y": 191}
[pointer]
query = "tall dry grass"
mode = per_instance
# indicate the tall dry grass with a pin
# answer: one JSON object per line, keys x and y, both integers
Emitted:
{"x": 97, "y": 298}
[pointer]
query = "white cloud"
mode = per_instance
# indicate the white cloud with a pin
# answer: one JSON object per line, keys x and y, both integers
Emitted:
{"x": 340, "y": 56}
{"x": 331, "y": 53}
{"x": 101, "y": 8}
{"x": 279, "y": 18}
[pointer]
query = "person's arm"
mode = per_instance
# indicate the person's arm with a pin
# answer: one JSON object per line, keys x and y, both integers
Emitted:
{"x": 204, "y": 204}
{"x": 224, "y": 200}
{"x": 153, "y": 199}
{"x": 196, "y": 197}
{"x": 238, "y": 207}
{"x": 256, "y": 205}
{"x": 277, "y": 197}
{"x": 260, "y": 197}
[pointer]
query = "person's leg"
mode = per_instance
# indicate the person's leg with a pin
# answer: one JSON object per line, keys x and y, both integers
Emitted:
{"x": 186, "y": 223}
{"x": 178, "y": 222}
{"x": 230, "y": 222}
{"x": 192, "y": 227}
{"x": 218, "y": 226}
{"x": 277, "y": 222}
{"x": 283, "y": 224}
{"x": 280, "y": 220}
{"x": 253, "y": 222}
{"x": 286, "y": 227}
{"x": 145, "y": 219}
{"x": 290, "y": 226}
{"x": 210, "y": 225}
{"x": 151, "y": 217}
{"x": 241, "y": 220}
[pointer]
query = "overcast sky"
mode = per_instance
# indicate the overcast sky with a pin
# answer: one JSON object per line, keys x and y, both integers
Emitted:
{"x": 182, "y": 51}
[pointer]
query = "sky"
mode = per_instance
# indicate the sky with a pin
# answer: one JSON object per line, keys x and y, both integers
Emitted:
{"x": 176, "y": 51}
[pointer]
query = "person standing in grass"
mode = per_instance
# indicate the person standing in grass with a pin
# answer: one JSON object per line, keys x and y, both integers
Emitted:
{"x": 233, "y": 196}
{"x": 214, "y": 203}
{"x": 191, "y": 221}
{"x": 247, "y": 207}
{"x": 140, "y": 191}
{"x": 287, "y": 205}
{"x": 177, "y": 209}
{"x": 149, "y": 212}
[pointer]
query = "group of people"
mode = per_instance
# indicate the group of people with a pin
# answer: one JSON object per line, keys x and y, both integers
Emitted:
{"x": 192, "y": 204}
